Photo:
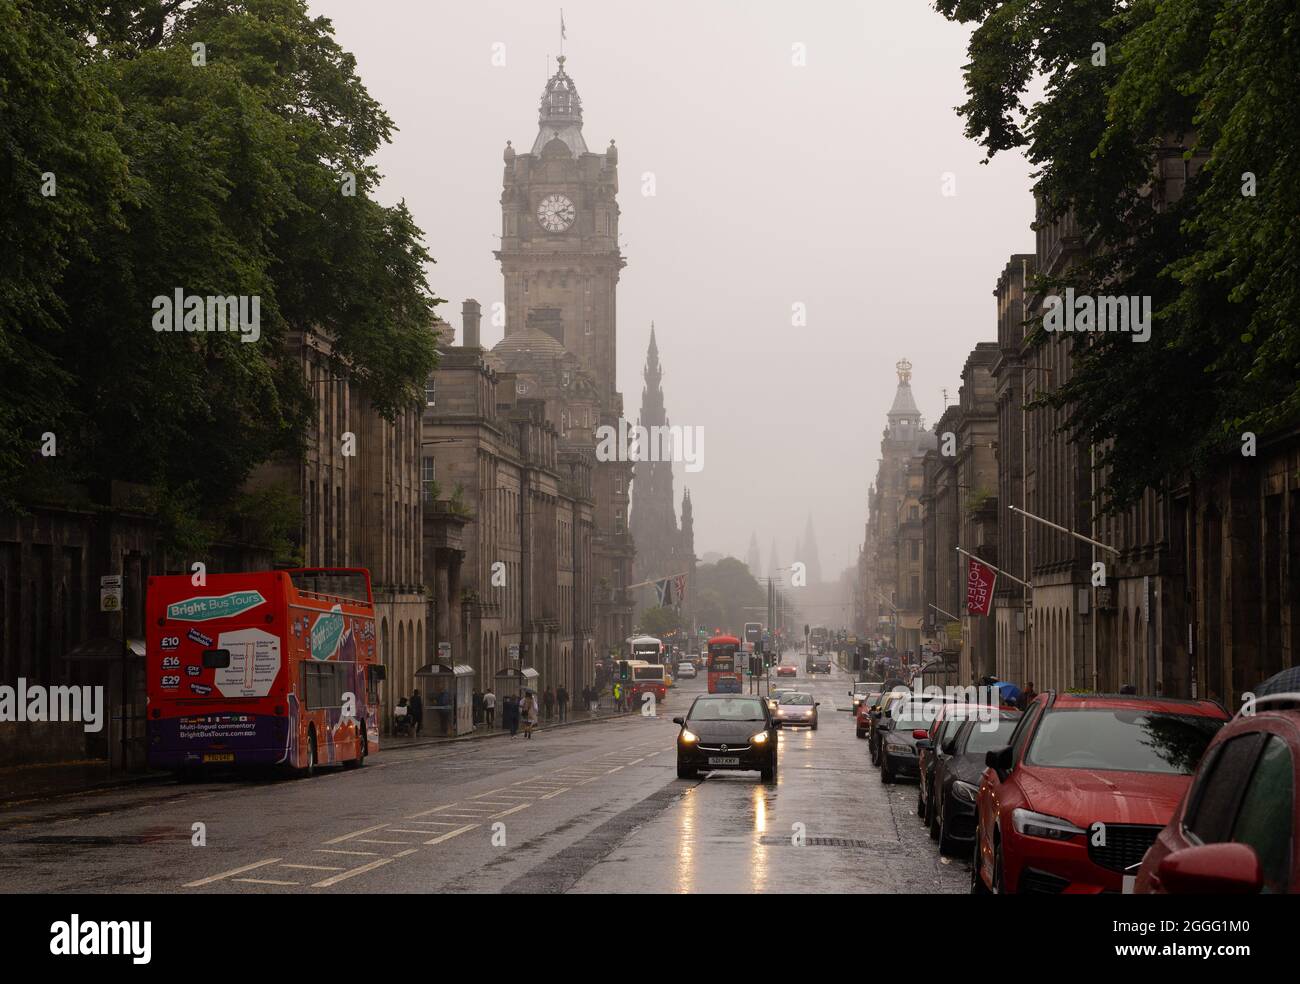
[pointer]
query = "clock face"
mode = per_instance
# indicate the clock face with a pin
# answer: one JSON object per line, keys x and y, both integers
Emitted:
{"x": 555, "y": 213}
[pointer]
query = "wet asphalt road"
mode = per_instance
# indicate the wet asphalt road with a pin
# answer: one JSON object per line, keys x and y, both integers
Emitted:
{"x": 590, "y": 808}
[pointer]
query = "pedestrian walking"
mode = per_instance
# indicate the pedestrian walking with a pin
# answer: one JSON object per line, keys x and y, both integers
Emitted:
{"x": 593, "y": 699}
{"x": 490, "y": 708}
{"x": 562, "y": 701}
{"x": 477, "y": 707}
{"x": 1027, "y": 696}
{"x": 528, "y": 711}
{"x": 618, "y": 696}
{"x": 548, "y": 702}
{"x": 415, "y": 710}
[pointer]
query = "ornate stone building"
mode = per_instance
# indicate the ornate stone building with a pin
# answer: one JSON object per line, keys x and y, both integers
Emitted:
{"x": 894, "y": 520}
{"x": 663, "y": 548}
{"x": 560, "y": 260}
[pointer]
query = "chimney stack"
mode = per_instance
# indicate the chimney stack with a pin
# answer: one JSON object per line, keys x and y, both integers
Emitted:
{"x": 470, "y": 314}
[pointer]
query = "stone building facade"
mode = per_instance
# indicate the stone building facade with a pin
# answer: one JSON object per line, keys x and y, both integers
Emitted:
{"x": 358, "y": 480}
{"x": 510, "y": 507}
{"x": 895, "y": 526}
{"x": 560, "y": 260}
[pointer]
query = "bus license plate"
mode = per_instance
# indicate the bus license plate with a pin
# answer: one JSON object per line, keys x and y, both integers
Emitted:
{"x": 219, "y": 757}
{"x": 724, "y": 760}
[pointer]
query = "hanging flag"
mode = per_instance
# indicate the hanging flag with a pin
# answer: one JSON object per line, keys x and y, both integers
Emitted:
{"x": 679, "y": 585}
{"x": 563, "y": 36}
{"x": 980, "y": 579}
{"x": 664, "y": 589}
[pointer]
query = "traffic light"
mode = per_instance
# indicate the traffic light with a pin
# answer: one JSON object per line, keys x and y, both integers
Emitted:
{"x": 622, "y": 670}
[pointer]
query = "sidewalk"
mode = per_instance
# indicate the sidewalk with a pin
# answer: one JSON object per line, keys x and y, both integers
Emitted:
{"x": 22, "y": 783}
{"x": 603, "y": 713}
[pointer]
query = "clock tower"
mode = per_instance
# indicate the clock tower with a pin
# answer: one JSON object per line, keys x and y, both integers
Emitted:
{"x": 559, "y": 236}
{"x": 560, "y": 259}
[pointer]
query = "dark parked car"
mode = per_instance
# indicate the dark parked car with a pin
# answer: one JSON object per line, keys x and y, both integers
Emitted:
{"x": 933, "y": 748}
{"x": 906, "y": 722}
{"x": 957, "y": 772}
{"x": 727, "y": 731}
{"x": 1083, "y": 788}
{"x": 878, "y": 714}
{"x": 1236, "y": 830}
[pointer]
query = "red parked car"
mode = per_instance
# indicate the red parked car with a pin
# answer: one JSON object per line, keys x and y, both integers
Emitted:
{"x": 1083, "y": 789}
{"x": 1235, "y": 830}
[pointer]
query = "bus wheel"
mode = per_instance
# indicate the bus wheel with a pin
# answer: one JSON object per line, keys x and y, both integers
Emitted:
{"x": 310, "y": 769}
{"x": 363, "y": 749}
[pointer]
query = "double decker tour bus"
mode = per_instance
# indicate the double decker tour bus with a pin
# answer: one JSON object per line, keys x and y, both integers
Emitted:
{"x": 724, "y": 665}
{"x": 651, "y": 650}
{"x": 819, "y": 636}
{"x": 265, "y": 668}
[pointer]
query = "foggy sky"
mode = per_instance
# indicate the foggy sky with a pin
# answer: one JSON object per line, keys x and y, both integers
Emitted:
{"x": 775, "y": 185}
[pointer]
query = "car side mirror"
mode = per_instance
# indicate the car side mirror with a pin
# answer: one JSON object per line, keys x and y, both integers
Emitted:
{"x": 681, "y": 721}
{"x": 1211, "y": 869}
{"x": 999, "y": 760}
{"x": 949, "y": 747}
{"x": 923, "y": 744}
{"x": 776, "y": 723}
{"x": 817, "y": 703}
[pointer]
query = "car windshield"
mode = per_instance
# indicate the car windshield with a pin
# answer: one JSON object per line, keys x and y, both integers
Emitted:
{"x": 984, "y": 735}
{"x": 727, "y": 709}
{"x": 907, "y": 715}
{"x": 1121, "y": 740}
{"x": 796, "y": 698}
{"x": 865, "y": 688}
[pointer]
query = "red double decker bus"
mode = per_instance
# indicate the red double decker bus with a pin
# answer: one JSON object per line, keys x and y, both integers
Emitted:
{"x": 265, "y": 668}
{"x": 724, "y": 655}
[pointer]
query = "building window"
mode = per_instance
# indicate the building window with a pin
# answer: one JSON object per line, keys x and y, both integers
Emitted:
{"x": 913, "y": 512}
{"x": 618, "y": 484}
{"x": 618, "y": 521}
{"x": 427, "y": 475}
{"x": 430, "y": 390}
{"x": 914, "y": 549}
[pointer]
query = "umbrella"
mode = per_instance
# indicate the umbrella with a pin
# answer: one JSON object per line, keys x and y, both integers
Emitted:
{"x": 1286, "y": 682}
{"x": 1010, "y": 692}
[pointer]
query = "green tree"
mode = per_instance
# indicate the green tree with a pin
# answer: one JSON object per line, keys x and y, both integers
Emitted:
{"x": 1217, "y": 82}
{"x": 660, "y": 621}
{"x": 220, "y": 179}
{"x": 738, "y": 595}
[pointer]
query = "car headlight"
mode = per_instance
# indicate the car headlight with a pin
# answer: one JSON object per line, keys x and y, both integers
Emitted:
{"x": 689, "y": 737}
{"x": 1033, "y": 824}
{"x": 759, "y": 739}
{"x": 899, "y": 747}
{"x": 964, "y": 791}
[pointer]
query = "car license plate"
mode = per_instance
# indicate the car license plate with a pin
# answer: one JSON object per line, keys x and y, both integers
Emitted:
{"x": 219, "y": 757}
{"x": 724, "y": 760}
{"x": 1130, "y": 882}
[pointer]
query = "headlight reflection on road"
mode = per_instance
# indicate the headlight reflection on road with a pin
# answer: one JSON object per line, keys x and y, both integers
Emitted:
{"x": 686, "y": 841}
{"x": 758, "y": 861}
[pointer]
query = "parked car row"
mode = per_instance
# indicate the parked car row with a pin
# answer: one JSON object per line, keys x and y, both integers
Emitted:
{"x": 1092, "y": 793}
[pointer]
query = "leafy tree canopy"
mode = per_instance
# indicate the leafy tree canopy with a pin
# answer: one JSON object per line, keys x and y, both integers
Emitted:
{"x": 223, "y": 178}
{"x": 1212, "y": 86}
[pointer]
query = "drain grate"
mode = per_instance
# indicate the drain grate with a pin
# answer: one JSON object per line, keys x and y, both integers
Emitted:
{"x": 832, "y": 842}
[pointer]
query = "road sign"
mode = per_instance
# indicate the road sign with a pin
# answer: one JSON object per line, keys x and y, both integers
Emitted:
{"x": 444, "y": 652}
{"x": 110, "y": 593}
{"x": 513, "y": 653}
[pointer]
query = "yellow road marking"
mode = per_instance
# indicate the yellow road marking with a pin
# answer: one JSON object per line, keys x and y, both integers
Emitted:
{"x": 356, "y": 833}
{"x": 229, "y": 874}
{"x": 335, "y": 879}
{"x": 450, "y": 834}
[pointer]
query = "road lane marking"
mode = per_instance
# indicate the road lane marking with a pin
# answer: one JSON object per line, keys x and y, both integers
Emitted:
{"x": 367, "y": 840}
{"x": 614, "y": 770}
{"x": 335, "y": 879}
{"x": 314, "y": 867}
{"x": 364, "y": 854}
{"x": 557, "y": 792}
{"x": 450, "y": 834}
{"x": 402, "y": 854}
{"x": 356, "y": 833}
{"x": 263, "y": 881}
{"x": 402, "y": 830}
{"x": 506, "y": 813}
{"x": 228, "y": 874}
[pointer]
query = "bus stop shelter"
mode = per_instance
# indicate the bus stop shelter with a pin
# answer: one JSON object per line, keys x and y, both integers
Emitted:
{"x": 448, "y": 698}
{"x": 514, "y": 681}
